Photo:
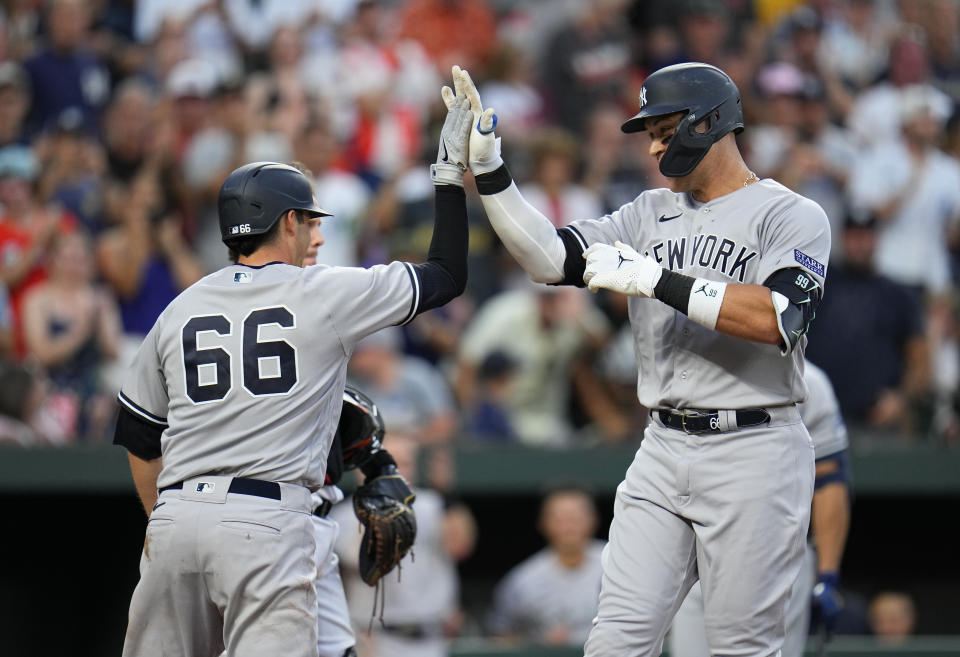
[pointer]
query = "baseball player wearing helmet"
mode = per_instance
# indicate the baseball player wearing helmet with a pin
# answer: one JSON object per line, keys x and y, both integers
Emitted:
{"x": 229, "y": 410}
{"x": 357, "y": 443}
{"x": 830, "y": 520}
{"x": 724, "y": 273}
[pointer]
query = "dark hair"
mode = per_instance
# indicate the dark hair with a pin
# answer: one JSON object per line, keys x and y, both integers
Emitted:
{"x": 245, "y": 246}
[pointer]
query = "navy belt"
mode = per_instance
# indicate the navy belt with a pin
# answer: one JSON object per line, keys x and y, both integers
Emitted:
{"x": 244, "y": 486}
{"x": 709, "y": 421}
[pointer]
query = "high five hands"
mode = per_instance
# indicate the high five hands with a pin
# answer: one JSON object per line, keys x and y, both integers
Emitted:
{"x": 468, "y": 128}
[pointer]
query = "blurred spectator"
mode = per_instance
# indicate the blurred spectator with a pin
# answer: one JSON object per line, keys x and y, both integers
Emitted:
{"x": 876, "y": 114}
{"x": 452, "y": 31}
{"x": 14, "y": 102}
{"x": 6, "y": 324}
{"x": 586, "y": 63}
{"x": 941, "y": 23}
{"x": 143, "y": 256}
{"x": 421, "y": 606}
{"x": 372, "y": 50}
{"x": 340, "y": 192}
{"x": 869, "y": 338}
{"x": 705, "y": 30}
{"x": 27, "y": 229}
{"x": 190, "y": 88}
{"x": 73, "y": 169}
{"x": 615, "y": 169}
{"x": 237, "y": 134}
{"x": 855, "y": 42}
{"x": 914, "y": 190}
{"x": 553, "y": 189}
{"x": 25, "y": 410}
{"x": 72, "y": 328}
{"x": 488, "y": 417}
{"x": 819, "y": 163}
{"x": 542, "y": 328}
{"x": 65, "y": 73}
{"x": 780, "y": 85}
{"x": 605, "y": 379}
{"x": 893, "y": 617}
{"x": 253, "y": 21}
{"x": 413, "y": 396}
{"x": 511, "y": 90}
{"x": 205, "y": 31}
{"x": 551, "y": 597}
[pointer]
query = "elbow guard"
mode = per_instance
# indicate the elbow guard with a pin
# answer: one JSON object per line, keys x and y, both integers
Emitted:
{"x": 796, "y": 297}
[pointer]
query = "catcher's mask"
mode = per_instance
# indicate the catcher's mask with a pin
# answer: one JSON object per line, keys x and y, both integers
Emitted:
{"x": 706, "y": 94}
{"x": 361, "y": 428}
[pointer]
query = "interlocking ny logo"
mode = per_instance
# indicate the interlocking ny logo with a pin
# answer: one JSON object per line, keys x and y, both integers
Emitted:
{"x": 643, "y": 97}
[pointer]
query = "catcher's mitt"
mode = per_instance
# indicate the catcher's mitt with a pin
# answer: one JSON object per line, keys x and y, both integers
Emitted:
{"x": 383, "y": 506}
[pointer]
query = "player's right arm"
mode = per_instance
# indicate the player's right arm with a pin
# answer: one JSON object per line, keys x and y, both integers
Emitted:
{"x": 394, "y": 294}
{"x": 142, "y": 418}
{"x": 547, "y": 254}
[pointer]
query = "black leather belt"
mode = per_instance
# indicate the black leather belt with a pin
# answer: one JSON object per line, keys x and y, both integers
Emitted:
{"x": 414, "y": 630}
{"x": 268, "y": 489}
{"x": 706, "y": 421}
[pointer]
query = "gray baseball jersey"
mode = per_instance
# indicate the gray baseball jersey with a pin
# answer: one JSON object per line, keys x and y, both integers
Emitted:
{"x": 742, "y": 237}
{"x": 248, "y": 336}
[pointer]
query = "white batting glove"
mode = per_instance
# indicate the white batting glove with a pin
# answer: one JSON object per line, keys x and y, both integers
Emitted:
{"x": 454, "y": 136}
{"x": 484, "y": 146}
{"x": 621, "y": 269}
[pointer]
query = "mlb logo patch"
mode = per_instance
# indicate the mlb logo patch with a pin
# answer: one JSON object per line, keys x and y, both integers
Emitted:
{"x": 242, "y": 277}
{"x": 810, "y": 263}
{"x": 205, "y": 487}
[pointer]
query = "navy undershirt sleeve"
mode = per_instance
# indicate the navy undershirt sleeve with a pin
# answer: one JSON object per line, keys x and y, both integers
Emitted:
{"x": 444, "y": 275}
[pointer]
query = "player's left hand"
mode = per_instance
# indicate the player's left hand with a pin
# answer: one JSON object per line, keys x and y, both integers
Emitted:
{"x": 827, "y": 600}
{"x": 454, "y": 136}
{"x": 621, "y": 269}
{"x": 384, "y": 507}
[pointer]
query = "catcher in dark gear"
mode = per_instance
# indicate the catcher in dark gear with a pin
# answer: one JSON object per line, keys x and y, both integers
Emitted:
{"x": 383, "y": 504}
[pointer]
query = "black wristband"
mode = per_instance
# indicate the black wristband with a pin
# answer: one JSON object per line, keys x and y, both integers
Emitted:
{"x": 673, "y": 289}
{"x": 494, "y": 182}
{"x": 378, "y": 463}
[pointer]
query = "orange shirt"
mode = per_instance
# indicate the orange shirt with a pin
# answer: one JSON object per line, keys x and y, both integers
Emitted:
{"x": 464, "y": 30}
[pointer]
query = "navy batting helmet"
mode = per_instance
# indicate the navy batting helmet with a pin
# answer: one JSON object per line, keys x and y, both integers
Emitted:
{"x": 255, "y": 195}
{"x": 705, "y": 93}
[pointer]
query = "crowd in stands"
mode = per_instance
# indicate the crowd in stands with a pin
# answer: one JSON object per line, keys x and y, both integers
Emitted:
{"x": 119, "y": 119}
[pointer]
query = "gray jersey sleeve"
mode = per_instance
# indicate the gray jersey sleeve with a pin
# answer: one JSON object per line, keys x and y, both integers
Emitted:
{"x": 620, "y": 225}
{"x": 796, "y": 236}
{"x": 361, "y": 301}
{"x": 144, "y": 392}
{"x": 821, "y": 413}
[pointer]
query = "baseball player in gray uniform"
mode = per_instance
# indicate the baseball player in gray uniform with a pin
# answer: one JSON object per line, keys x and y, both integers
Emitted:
{"x": 229, "y": 410}
{"x": 830, "y": 520}
{"x": 724, "y": 273}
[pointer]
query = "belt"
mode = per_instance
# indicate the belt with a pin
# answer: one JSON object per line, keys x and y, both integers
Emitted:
{"x": 707, "y": 421}
{"x": 414, "y": 630}
{"x": 244, "y": 486}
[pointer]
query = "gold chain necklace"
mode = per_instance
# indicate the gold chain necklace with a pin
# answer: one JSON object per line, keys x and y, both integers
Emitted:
{"x": 752, "y": 178}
